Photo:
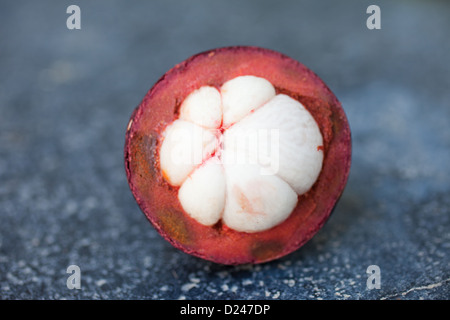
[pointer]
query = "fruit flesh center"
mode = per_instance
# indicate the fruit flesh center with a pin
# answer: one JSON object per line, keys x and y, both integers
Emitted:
{"x": 241, "y": 154}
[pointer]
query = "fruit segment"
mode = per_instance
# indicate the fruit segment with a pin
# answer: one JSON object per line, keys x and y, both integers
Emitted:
{"x": 203, "y": 107}
{"x": 203, "y": 192}
{"x": 185, "y": 146}
{"x": 286, "y": 140}
{"x": 241, "y": 154}
{"x": 255, "y": 202}
{"x": 242, "y": 95}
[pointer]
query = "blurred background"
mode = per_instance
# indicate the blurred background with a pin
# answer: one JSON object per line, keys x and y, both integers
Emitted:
{"x": 66, "y": 97}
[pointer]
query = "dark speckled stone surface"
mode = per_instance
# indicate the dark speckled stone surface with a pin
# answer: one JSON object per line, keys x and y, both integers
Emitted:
{"x": 66, "y": 97}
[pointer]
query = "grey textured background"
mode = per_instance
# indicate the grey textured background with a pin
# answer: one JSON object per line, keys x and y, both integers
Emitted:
{"x": 66, "y": 97}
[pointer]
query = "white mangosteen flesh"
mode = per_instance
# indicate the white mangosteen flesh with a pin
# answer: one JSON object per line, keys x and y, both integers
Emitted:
{"x": 241, "y": 154}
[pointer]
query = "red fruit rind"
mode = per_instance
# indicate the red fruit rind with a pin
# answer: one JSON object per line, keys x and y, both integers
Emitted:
{"x": 158, "y": 200}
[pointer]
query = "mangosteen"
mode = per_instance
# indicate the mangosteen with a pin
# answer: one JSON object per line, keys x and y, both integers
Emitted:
{"x": 238, "y": 155}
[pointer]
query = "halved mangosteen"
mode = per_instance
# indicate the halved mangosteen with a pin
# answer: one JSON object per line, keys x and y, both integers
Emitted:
{"x": 238, "y": 155}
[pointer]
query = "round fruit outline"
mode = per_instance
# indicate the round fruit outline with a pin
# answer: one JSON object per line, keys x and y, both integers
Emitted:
{"x": 158, "y": 196}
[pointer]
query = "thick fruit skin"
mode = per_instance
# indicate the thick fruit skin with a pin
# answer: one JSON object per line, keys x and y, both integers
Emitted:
{"x": 158, "y": 200}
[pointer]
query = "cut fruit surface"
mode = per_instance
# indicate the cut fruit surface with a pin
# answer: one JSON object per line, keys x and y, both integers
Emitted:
{"x": 238, "y": 155}
{"x": 269, "y": 154}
